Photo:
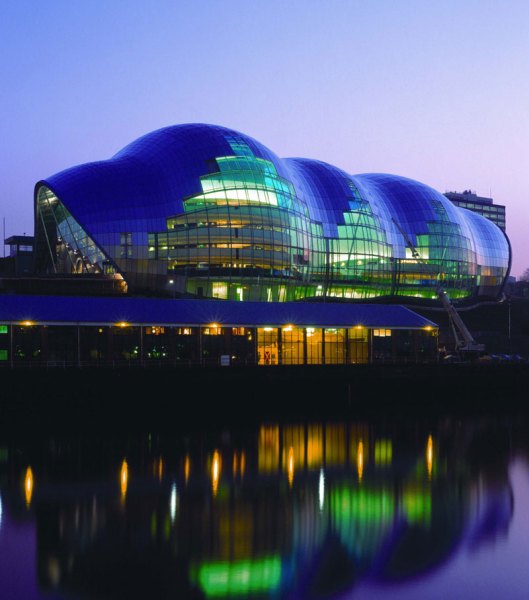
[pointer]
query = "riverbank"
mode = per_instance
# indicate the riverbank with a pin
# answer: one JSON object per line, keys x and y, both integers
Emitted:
{"x": 103, "y": 399}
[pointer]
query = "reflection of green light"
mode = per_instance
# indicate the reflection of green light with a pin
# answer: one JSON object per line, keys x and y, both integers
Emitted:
{"x": 360, "y": 505}
{"x": 362, "y": 517}
{"x": 418, "y": 506}
{"x": 383, "y": 452}
{"x": 240, "y": 578}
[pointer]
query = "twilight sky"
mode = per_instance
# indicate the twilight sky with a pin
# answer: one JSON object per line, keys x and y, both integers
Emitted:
{"x": 434, "y": 90}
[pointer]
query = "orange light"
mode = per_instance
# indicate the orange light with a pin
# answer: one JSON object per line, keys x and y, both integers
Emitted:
{"x": 429, "y": 456}
{"x": 124, "y": 479}
{"x": 27, "y": 323}
{"x": 187, "y": 467}
{"x": 242, "y": 464}
{"x": 290, "y": 466}
{"x": 123, "y": 324}
{"x": 360, "y": 460}
{"x": 215, "y": 472}
{"x": 160, "y": 468}
{"x": 28, "y": 486}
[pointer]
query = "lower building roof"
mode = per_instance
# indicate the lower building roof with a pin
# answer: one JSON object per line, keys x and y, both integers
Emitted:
{"x": 85, "y": 310}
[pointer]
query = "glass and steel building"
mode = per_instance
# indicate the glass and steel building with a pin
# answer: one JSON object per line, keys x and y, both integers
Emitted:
{"x": 208, "y": 212}
{"x": 480, "y": 205}
{"x": 123, "y": 330}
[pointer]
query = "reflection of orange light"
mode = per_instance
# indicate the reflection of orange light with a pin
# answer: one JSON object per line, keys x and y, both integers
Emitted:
{"x": 187, "y": 467}
{"x": 215, "y": 472}
{"x": 124, "y": 478}
{"x": 28, "y": 485}
{"x": 160, "y": 468}
{"x": 429, "y": 455}
{"x": 242, "y": 464}
{"x": 290, "y": 466}
{"x": 239, "y": 463}
{"x": 360, "y": 460}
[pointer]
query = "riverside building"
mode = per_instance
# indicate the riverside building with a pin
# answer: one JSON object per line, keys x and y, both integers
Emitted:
{"x": 218, "y": 251}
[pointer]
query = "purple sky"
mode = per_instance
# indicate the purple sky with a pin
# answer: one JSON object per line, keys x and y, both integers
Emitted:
{"x": 437, "y": 91}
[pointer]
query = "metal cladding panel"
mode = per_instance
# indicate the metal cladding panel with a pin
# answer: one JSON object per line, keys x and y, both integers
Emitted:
{"x": 80, "y": 309}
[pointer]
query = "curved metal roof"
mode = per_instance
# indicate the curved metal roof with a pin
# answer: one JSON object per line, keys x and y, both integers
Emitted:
{"x": 165, "y": 167}
{"x": 150, "y": 180}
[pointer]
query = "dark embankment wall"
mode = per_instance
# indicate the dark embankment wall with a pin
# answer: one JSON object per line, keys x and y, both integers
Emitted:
{"x": 99, "y": 399}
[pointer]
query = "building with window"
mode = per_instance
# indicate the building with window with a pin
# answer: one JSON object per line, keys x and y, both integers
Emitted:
{"x": 20, "y": 259}
{"x": 201, "y": 211}
{"x": 99, "y": 331}
{"x": 482, "y": 206}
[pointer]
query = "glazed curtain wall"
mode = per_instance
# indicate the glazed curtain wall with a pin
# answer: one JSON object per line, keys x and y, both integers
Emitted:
{"x": 92, "y": 345}
{"x": 238, "y": 223}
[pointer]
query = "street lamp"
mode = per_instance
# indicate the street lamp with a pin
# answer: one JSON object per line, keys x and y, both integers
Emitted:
{"x": 171, "y": 283}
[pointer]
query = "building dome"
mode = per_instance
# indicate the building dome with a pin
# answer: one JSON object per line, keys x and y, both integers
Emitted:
{"x": 205, "y": 211}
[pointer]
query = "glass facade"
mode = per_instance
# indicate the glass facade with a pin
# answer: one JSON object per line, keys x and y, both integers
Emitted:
{"x": 180, "y": 345}
{"x": 207, "y": 212}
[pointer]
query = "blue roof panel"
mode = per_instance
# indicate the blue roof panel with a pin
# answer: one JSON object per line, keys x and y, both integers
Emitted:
{"x": 157, "y": 311}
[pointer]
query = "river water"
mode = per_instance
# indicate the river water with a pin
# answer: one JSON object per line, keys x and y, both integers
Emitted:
{"x": 374, "y": 508}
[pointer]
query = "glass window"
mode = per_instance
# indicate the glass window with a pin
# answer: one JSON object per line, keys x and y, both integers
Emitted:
{"x": 358, "y": 348}
{"x": 314, "y": 346}
{"x": 267, "y": 346}
{"x": 292, "y": 346}
{"x": 335, "y": 347}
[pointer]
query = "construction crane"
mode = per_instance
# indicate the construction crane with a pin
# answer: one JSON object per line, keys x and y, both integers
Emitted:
{"x": 464, "y": 340}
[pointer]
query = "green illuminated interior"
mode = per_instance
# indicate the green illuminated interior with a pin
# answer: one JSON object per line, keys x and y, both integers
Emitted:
{"x": 248, "y": 236}
{"x": 259, "y": 230}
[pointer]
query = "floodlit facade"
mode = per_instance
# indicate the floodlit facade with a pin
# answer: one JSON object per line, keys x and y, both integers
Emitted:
{"x": 204, "y": 211}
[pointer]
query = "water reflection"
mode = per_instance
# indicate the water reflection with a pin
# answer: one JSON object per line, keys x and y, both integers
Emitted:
{"x": 429, "y": 456}
{"x": 187, "y": 467}
{"x": 124, "y": 479}
{"x": 173, "y": 502}
{"x": 306, "y": 510}
{"x": 215, "y": 472}
{"x": 28, "y": 486}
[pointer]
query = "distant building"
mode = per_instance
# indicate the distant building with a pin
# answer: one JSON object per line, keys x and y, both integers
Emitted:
{"x": 20, "y": 259}
{"x": 483, "y": 206}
